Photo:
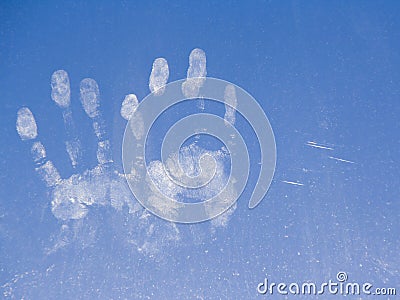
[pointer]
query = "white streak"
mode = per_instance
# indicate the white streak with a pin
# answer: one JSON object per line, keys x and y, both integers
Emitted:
{"x": 315, "y": 145}
{"x": 293, "y": 183}
{"x": 342, "y": 160}
{"x": 26, "y": 124}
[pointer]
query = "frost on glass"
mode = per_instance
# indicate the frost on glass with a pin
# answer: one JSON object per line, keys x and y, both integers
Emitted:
{"x": 196, "y": 73}
{"x": 104, "y": 185}
{"x": 26, "y": 124}
{"x": 129, "y": 106}
{"x": 159, "y": 76}
{"x": 230, "y": 104}
{"x": 60, "y": 88}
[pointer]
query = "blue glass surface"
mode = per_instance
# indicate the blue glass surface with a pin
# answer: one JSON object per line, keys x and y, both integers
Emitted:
{"x": 327, "y": 76}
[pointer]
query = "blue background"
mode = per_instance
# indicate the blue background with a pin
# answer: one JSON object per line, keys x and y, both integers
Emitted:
{"x": 322, "y": 71}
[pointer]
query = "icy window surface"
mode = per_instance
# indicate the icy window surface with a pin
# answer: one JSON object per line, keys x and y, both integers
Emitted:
{"x": 72, "y": 76}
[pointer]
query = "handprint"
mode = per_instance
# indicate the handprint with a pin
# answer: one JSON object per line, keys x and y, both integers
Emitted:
{"x": 104, "y": 185}
{"x": 101, "y": 185}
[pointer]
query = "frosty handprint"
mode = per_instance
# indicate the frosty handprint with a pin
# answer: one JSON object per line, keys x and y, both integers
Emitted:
{"x": 165, "y": 186}
{"x": 184, "y": 172}
{"x": 101, "y": 185}
{"x": 104, "y": 184}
